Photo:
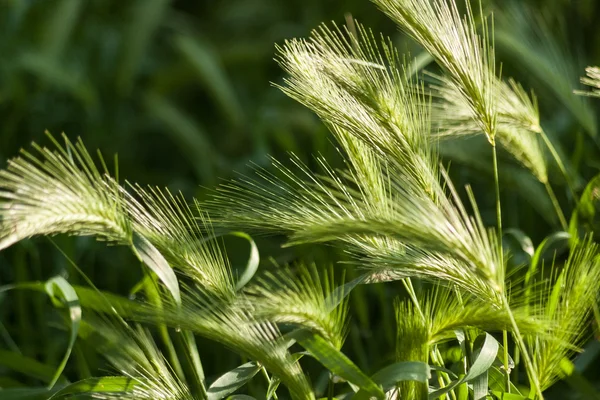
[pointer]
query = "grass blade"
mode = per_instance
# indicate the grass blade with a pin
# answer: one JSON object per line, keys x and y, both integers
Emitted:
{"x": 232, "y": 380}
{"x": 67, "y": 292}
{"x": 336, "y": 362}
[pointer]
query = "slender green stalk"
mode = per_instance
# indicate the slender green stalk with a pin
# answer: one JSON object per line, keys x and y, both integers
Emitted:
{"x": 498, "y": 207}
{"x": 499, "y": 222}
{"x": 521, "y": 343}
{"x": 559, "y": 212}
{"x": 506, "y": 362}
{"x": 560, "y": 164}
{"x": 268, "y": 378}
{"x": 443, "y": 378}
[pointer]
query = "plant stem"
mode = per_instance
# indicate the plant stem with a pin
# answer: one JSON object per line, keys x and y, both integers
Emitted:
{"x": 268, "y": 378}
{"x": 506, "y": 362}
{"x": 499, "y": 222}
{"x": 560, "y": 164}
{"x": 521, "y": 343}
{"x": 498, "y": 208}
{"x": 559, "y": 213}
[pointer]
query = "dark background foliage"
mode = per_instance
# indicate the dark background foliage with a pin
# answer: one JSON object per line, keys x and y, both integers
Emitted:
{"x": 181, "y": 91}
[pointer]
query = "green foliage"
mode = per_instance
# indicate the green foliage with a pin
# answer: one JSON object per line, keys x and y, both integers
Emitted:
{"x": 453, "y": 309}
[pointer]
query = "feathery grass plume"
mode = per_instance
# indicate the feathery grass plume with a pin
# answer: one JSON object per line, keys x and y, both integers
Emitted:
{"x": 412, "y": 344}
{"x": 131, "y": 350}
{"x": 233, "y": 325}
{"x": 593, "y": 80}
{"x": 301, "y": 299}
{"x": 392, "y": 185}
{"x": 413, "y": 226}
{"x": 518, "y": 124}
{"x": 568, "y": 304}
{"x": 453, "y": 41}
{"x": 361, "y": 89}
{"x": 447, "y": 308}
{"x": 434, "y": 316}
{"x": 63, "y": 191}
{"x": 171, "y": 225}
{"x": 230, "y": 323}
{"x": 60, "y": 191}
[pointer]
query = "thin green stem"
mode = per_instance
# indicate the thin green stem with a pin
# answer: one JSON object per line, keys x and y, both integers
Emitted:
{"x": 521, "y": 343}
{"x": 560, "y": 164}
{"x": 268, "y": 378}
{"x": 559, "y": 212}
{"x": 498, "y": 207}
{"x": 499, "y": 222}
{"x": 506, "y": 360}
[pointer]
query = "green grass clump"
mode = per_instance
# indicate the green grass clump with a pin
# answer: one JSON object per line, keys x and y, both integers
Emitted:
{"x": 469, "y": 319}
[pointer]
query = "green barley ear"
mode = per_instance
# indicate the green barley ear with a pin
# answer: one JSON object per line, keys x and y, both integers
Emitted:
{"x": 568, "y": 303}
{"x": 592, "y": 79}
{"x": 412, "y": 344}
{"x": 63, "y": 191}
{"x": 301, "y": 299}
{"x": 132, "y": 352}
{"x": 233, "y": 324}
{"x": 467, "y": 57}
{"x": 361, "y": 88}
{"x": 60, "y": 191}
{"x": 518, "y": 125}
{"x": 410, "y": 234}
{"x": 179, "y": 231}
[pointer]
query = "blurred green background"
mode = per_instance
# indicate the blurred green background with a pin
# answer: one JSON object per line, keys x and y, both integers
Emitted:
{"x": 181, "y": 91}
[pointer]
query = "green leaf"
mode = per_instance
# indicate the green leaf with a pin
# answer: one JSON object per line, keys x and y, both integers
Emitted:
{"x": 336, "y": 362}
{"x": 232, "y": 380}
{"x": 253, "y": 261}
{"x": 187, "y": 133}
{"x": 104, "y": 385}
{"x": 549, "y": 242}
{"x": 524, "y": 241}
{"x": 389, "y": 376}
{"x": 508, "y": 396}
{"x": 68, "y": 294}
{"x": 25, "y": 393}
{"x": 481, "y": 365}
{"x": 147, "y": 253}
{"x": 240, "y": 397}
{"x": 25, "y": 365}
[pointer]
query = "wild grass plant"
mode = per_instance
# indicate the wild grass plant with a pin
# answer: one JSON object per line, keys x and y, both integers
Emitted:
{"x": 470, "y": 321}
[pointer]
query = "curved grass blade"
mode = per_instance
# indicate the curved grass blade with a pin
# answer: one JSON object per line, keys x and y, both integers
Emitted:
{"x": 232, "y": 380}
{"x": 548, "y": 242}
{"x": 157, "y": 263}
{"x": 59, "y": 287}
{"x": 389, "y": 376}
{"x": 483, "y": 362}
{"x": 27, "y": 366}
{"x": 106, "y": 385}
{"x": 336, "y": 362}
{"x": 253, "y": 261}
